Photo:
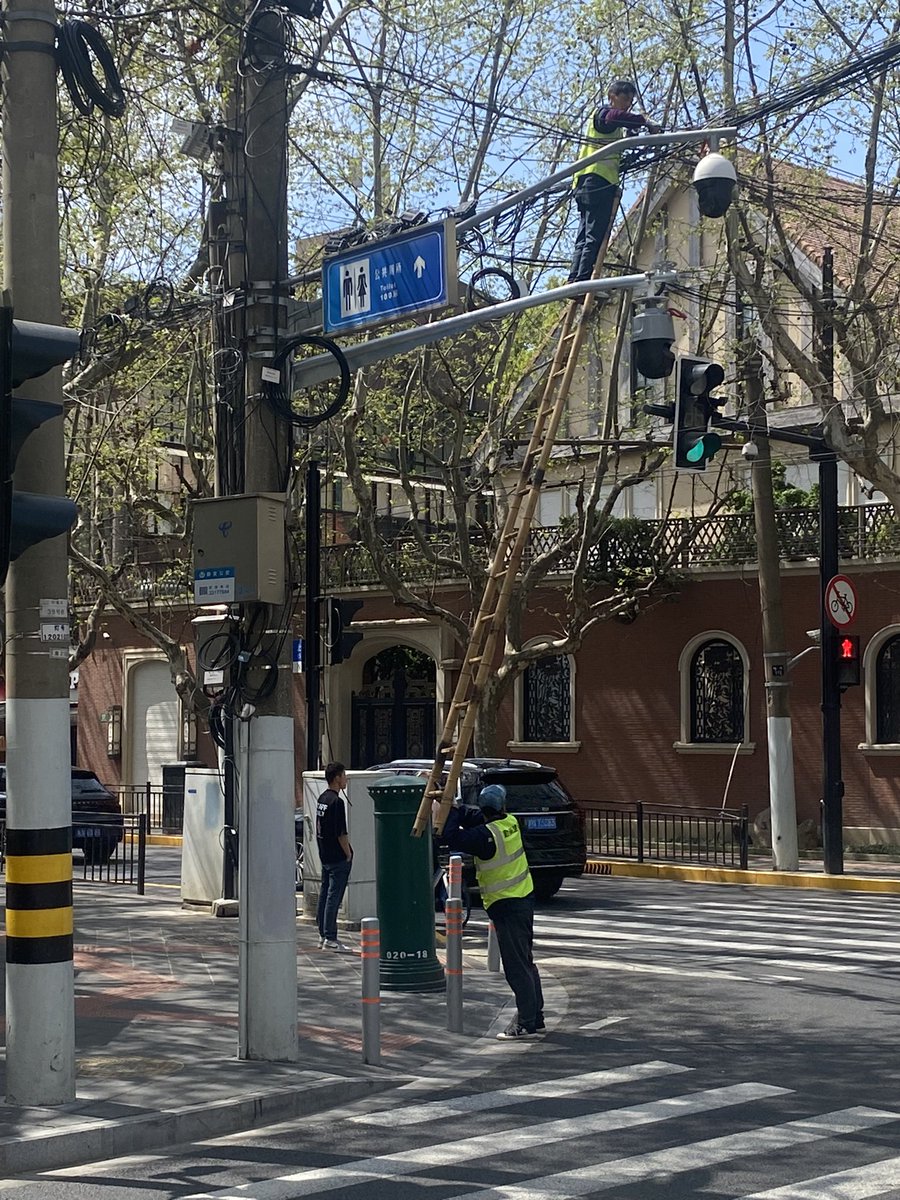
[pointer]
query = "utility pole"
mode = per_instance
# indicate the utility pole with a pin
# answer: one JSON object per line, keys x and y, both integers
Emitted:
{"x": 832, "y": 783}
{"x": 40, "y": 1003}
{"x": 268, "y": 901}
{"x": 312, "y": 656}
{"x": 782, "y": 801}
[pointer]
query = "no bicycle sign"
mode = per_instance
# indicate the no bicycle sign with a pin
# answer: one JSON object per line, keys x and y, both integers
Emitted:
{"x": 840, "y": 601}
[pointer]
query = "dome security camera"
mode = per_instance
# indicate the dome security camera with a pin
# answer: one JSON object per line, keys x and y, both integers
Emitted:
{"x": 750, "y": 450}
{"x": 715, "y": 180}
{"x": 652, "y": 335}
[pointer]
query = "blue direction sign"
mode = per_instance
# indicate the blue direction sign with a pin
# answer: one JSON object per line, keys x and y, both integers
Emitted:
{"x": 382, "y": 281}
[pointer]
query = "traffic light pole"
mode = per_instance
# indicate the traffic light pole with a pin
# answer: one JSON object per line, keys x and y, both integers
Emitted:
{"x": 832, "y": 783}
{"x": 40, "y": 1006}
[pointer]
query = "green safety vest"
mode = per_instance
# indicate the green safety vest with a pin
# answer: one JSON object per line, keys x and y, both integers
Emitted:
{"x": 606, "y": 168}
{"x": 506, "y": 874}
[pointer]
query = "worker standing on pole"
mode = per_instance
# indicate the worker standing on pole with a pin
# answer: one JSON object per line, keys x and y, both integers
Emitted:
{"x": 493, "y": 837}
{"x": 596, "y": 187}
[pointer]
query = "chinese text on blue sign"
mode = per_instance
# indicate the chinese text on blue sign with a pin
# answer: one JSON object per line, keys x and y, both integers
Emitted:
{"x": 411, "y": 272}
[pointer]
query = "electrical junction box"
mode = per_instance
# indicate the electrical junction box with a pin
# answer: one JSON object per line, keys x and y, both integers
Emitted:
{"x": 239, "y": 550}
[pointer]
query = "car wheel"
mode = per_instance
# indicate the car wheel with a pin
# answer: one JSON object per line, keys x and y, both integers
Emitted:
{"x": 546, "y": 885}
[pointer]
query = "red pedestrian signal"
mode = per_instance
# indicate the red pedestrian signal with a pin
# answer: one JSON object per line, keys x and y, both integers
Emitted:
{"x": 848, "y": 671}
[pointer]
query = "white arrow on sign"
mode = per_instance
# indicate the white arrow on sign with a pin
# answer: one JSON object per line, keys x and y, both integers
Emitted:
{"x": 419, "y": 266}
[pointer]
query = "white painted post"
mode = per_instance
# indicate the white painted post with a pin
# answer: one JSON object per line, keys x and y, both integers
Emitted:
{"x": 455, "y": 877}
{"x": 493, "y": 954}
{"x": 370, "y": 951}
{"x": 454, "y": 966}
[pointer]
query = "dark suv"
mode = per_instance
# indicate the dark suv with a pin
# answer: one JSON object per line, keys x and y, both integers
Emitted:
{"x": 97, "y": 826}
{"x": 552, "y": 829}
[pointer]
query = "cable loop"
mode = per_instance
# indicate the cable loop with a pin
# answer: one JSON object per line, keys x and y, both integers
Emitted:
{"x": 79, "y": 47}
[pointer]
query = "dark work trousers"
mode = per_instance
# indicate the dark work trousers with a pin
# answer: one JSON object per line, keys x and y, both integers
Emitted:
{"x": 334, "y": 884}
{"x": 596, "y": 200}
{"x": 514, "y": 922}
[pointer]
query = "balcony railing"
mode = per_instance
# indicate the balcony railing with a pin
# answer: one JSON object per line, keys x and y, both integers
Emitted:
{"x": 865, "y": 532}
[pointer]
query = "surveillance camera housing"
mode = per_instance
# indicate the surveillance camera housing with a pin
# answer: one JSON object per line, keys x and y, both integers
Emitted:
{"x": 814, "y": 635}
{"x": 750, "y": 450}
{"x": 652, "y": 335}
{"x": 714, "y": 180}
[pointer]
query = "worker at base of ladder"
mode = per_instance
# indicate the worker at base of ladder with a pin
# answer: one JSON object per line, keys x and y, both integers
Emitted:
{"x": 596, "y": 187}
{"x": 494, "y": 839}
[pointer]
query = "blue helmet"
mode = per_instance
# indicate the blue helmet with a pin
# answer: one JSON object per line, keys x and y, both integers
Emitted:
{"x": 492, "y": 796}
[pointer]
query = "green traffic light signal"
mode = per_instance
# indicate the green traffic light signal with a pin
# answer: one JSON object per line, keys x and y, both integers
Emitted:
{"x": 695, "y": 407}
{"x": 704, "y": 448}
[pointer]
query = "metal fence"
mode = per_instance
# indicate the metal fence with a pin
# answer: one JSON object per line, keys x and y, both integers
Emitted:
{"x": 113, "y": 849}
{"x": 669, "y": 833}
{"x": 163, "y": 806}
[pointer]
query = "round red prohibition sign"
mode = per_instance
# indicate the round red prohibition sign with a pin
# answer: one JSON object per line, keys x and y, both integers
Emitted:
{"x": 840, "y": 601}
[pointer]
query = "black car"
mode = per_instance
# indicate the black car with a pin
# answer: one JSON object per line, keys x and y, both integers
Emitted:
{"x": 97, "y": 825}
{"x": 552, "y": 828}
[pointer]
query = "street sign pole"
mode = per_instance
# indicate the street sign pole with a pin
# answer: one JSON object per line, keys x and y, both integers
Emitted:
{"x": 832, "y": 783}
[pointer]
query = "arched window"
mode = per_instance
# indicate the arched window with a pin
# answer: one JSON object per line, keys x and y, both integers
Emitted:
{"x": 545, "y": 707}
{"x": 716, "y": 691}
{"x": 887, "y": 692}
{"x": 547, "y": 701}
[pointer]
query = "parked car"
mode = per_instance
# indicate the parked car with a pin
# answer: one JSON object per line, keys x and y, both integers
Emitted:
{"x": 97, "y": 825}
{"x": 552, "y": 826}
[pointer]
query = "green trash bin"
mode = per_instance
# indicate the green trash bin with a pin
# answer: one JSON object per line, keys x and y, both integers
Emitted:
{"x": 404, "y": 889}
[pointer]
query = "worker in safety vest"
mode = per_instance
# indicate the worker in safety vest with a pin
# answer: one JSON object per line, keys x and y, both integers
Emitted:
{"x": 493, "y": 838}
{"x": 596, "y": 187}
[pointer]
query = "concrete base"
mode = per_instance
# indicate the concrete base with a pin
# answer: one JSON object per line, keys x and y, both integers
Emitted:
{"x": 225, "y": 908}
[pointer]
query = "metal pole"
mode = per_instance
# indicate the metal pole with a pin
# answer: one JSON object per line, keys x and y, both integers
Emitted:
{"x": 370, "y": 951}
{"x": 493, "y": 949}
{"x": 312, "y": 657}
{"x": 454, "y": 968}
{"x": 455, "y": 877}
{"x": 142, "y": 852}
{"x": 832, "y": 783}
{"x": 40, "y": 1001}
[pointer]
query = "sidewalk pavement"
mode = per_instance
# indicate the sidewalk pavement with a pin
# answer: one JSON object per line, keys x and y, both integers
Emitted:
{"x": 869, "y": 876}
{"x": 156, "y": 1026}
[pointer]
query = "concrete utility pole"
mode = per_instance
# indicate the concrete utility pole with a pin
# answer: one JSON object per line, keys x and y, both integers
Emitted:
{"x": 40, "y": 1004}
{"x": 268, "y": 900}
{"x": 782, "y": 802}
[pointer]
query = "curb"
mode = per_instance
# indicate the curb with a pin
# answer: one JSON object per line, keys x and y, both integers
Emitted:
{"x": 164, "y": 839}
{"x": 791, "y": 879}
{"x": 94, "y": 1141}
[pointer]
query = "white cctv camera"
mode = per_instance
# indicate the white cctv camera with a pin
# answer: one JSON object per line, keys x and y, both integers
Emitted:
{"x": 814, "y": 635}
{"x": 714, "y": 180}
{"x": 750, "y": 450}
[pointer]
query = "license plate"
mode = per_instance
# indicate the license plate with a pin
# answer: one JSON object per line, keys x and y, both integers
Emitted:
{"x": 540, "y": 822}
{"x": 87, "y": 831}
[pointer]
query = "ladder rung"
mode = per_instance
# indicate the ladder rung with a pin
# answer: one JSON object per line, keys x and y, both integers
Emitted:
{"x": 477, "y": 658}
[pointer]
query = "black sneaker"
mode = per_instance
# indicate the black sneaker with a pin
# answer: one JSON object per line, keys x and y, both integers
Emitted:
{"x": 519, "y": 1033}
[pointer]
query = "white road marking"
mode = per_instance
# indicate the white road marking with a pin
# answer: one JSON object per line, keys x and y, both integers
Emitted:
{"x": 604, "y": 1022}
{"x": 693, "y": 1156}
{"x": 859, "y": 1183}
{"x": 570, "y": 1085}
{"x": 490, "y": 1145}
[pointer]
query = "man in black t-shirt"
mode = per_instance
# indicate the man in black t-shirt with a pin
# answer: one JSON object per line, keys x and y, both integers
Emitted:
{"x": 335, "y": 855}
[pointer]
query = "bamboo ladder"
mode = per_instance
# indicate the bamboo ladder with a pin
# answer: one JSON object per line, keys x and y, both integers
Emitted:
{"x": 503, "y": 573}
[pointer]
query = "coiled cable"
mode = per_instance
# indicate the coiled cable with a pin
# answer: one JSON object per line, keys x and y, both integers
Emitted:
{"x": 79, "y": 47}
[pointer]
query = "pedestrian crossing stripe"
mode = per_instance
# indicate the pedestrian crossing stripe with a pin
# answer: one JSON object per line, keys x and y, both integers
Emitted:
{"x": 570, "y": 1085}
{"x": 858, "y": 1183}
{"x": 514, "y": 1140}
{"x": 694, "y": 1156}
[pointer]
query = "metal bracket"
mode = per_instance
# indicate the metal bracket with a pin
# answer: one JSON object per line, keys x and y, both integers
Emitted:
{"x": 31, "y": 47}
{"x": 31, "y": 14}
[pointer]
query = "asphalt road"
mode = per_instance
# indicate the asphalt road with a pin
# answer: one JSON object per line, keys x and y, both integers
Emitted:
{"x": 703, "y": 1042}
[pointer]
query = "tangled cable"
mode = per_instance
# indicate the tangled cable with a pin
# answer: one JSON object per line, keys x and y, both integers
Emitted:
{"x": 79, "y": 45}
{"x": 281, "y": 363}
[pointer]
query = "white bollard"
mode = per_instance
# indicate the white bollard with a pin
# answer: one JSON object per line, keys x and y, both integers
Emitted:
{"x": 493, "y": 955}
{"x": 370, "y": 952}
{"x": 455, "y": 880}
{"x": 454, "y": 967}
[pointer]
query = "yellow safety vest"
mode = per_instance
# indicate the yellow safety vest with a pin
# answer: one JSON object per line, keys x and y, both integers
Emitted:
{"x": 506, "y": 874}
{"x": 606, "y": 168}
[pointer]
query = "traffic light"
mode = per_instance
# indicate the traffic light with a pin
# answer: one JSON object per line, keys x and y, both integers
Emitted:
{"x": 339, "y": 643}
{"x": 848, "y": 672}
{"x": 28, "y": 350}
{"x": 695, "y": 407}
